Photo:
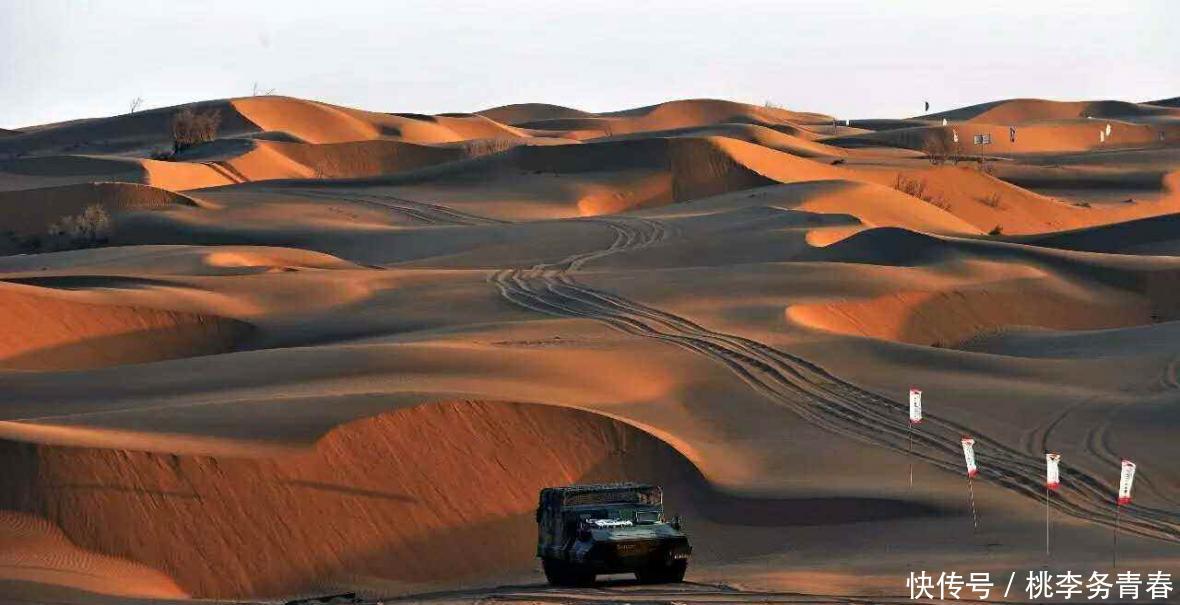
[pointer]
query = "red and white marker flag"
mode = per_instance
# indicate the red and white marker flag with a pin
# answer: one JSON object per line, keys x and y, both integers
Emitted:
{"x": 1052, "y": 474}
{"x": 969, "y": 455}
{"x": 915, "y": 406}
{"x": 1125, "y": 481}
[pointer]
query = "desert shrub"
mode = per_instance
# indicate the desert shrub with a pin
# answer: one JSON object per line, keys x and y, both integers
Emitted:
{"x": 992, "y": 201}
{"x": 936, "y": 150}
{"x": 917, "y": 188}
{"x": 938, "y": 202}
{"x": 997, "y": 230}
{"x": 1082, "y": 204}
{"x": 914, "y": 187}
{"x": 939, "y": 146}
{"x": 191, "y": 128}
{"x": 478, "y": 147}
{"x": 90, "y": 228}
{"x": 163, "y": 155}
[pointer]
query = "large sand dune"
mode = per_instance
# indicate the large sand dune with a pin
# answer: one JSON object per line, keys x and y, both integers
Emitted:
{"x": 336, "y": 350}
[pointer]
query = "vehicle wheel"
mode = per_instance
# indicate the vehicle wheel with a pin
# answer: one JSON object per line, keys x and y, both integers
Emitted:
{"x": 581, "y": 577}
{"x": 561, "y": 573}
{"x": 555, "y": 572}
{"x": 663, "y": 573}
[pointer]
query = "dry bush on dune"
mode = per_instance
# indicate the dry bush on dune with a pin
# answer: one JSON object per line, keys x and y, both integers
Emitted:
{"x": 90, "y": 228}
{"x": 992, "y": 201}
{"x": 478, "y": 147}
{"x": 940, "y": 147}
{"x": 914, "y": 187}
{"x": 917, "y": 188}
{"x": 191, "y": 128}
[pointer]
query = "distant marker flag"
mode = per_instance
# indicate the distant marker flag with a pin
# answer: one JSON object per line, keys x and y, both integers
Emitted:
{"x": 915, "y": 406}
{"x": 969, "y": 455}
{"x": 1125, "y": 481}
{"x": 1052, "y": 474}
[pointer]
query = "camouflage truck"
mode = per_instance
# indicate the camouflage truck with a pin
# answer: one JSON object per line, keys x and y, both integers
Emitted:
{"x": 586, "y": 530}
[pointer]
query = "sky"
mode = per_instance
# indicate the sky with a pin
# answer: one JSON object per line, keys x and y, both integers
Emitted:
{"x": 63, "y": 60}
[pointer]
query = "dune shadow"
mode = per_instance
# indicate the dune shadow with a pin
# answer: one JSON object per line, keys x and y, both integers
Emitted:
{"x": 139, "y": 491}
{"x": 200, "y": 337}
{"x": 347, "y": 490}
{"x": 84, "y": 282}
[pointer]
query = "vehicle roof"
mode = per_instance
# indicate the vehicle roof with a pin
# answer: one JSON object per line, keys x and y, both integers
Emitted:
{"x": 602, "y": 494}
{"x": 600, "y": 487}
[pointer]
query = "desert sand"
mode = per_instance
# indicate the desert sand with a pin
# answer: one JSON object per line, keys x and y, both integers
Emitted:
{"x": 336, "y": 350}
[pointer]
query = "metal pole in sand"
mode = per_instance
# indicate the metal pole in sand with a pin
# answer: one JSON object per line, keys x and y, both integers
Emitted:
{"x": 1046, "y": 521}
{"x": 910, "y": 454}
{"x": 1114, "y": 557}
{"x": 971, "y": 494}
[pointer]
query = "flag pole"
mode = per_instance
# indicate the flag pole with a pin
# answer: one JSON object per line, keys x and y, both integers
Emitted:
{"x": 969, "y": 457}
{"x": 915, "y": 418}
{"x": 910, "y": 454}
{"x": 1052, "y": 480}
{"x": 1114, "y": 557}
{"x": 1126, "y": 478}
{"x": 1046, "y": 521}
{"x": 971, "y": 494}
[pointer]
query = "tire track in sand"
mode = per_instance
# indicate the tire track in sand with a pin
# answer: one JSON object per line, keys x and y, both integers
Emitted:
{"x": 808, "y": 390}
{"x": 426, "y": 212}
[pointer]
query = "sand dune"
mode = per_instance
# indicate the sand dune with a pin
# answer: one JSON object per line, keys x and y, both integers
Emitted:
{"x": 673, "y": 115}
{"x": 777, "y": 139}
{"x": 50, "y": 171}
{"x": 337, "y": 350}
{"x": 31, "y": 211}
{"x": 1016, "y": 111}
{"x": 598, "y": 178}
{"x": 948, "y": 318}
{"x": 314, "y": 122}
{"x": 1064, "y": 135}
{"x": 51, "y": 330}
{"x": 519, "y": 113}
{"x": 424, "y": 514}
{"x": 33, "y": 550}
{"x": 169, "y": 260}
{"x": 1156, "y": 235}
{"x": 141, "y": 131}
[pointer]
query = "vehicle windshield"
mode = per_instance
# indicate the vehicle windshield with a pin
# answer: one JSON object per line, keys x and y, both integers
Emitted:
{"x": 647, "y": 516}
{"x": 622, "y": 513}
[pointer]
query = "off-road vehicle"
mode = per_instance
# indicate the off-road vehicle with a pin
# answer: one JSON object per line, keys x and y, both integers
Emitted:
{"x": 586, "y": 530}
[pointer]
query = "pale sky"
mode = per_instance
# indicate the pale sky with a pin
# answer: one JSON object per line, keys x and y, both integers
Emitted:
{"x": 63, "y": 59}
